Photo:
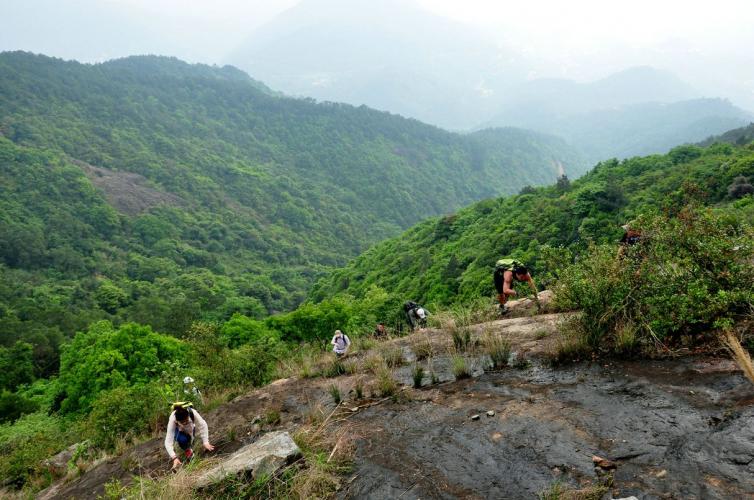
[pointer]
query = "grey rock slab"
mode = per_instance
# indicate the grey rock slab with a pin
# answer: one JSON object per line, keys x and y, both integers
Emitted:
{"x": 262, "y": 457}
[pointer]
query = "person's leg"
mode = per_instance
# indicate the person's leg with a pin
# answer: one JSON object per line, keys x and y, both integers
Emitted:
{"x": 498, "y": 278}
{"x": 409, "y": 319}
{"x": 184, "y": 441}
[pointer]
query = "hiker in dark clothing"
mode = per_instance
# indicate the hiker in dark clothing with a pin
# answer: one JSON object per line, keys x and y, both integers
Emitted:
{"x": 416, "y": 315}
{"x": 506, "y": 270}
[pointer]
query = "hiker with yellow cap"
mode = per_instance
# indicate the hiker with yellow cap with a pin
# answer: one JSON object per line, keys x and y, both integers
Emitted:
{"x": 183, "y": 424}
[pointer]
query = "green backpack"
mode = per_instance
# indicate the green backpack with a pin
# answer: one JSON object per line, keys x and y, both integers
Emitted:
{"x": 507, "y": 265}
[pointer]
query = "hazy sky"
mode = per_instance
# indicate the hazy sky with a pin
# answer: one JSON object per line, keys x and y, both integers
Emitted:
{"x": 707, "y": 44}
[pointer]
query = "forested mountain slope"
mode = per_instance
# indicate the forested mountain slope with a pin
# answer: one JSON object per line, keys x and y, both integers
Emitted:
{"x": 151, "y": 190}
{"x": 450, "y": 259}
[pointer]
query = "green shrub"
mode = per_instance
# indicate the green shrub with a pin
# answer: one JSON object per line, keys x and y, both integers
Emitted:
{"x": 13, "y": 406}
{"x": 26, "y": 443}
{"x": 125, "y": 413}
{"x": 689, "y": 273}
{"x": 104, "y": 358}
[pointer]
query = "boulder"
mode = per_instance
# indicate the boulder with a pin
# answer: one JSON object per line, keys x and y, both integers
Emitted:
{"x": 262, "y": 457}
{"x": 58, "y": 464}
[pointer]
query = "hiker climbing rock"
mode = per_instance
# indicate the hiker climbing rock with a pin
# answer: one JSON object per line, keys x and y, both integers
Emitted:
{"x": 416, "y": 315}
{"x": 340, "y": 343}
{"x": 506, "y": 270}
{"x": 183, "y": 424}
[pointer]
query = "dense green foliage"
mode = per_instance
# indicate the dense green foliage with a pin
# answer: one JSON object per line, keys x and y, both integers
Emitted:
{"x": 687, "y": 274}
{"x": 103, "y": 358}
{"x": 153, "y": 191}
{"x": 450, "y": 259}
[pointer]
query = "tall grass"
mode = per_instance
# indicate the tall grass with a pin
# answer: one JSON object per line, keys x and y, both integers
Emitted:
{"x": 498, "y": 348}
{"x": 740, "y": 355}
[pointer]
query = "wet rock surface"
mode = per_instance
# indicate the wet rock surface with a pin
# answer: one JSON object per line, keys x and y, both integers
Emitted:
{"x": 671, "y": 430}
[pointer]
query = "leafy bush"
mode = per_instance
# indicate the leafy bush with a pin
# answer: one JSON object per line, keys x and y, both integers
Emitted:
{"x": 104, "y": 358}
{"x": 688, "y": 274}
{"x": 16, "y": 365}
{"x": 14, "y": 406}
{"x": 123, "y": 413}
{"x": 26, "y": 443}
{"x": 218, "y": 366}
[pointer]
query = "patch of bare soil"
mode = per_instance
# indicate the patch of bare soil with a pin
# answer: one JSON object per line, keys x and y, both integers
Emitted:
{"x": 128, "y": 192}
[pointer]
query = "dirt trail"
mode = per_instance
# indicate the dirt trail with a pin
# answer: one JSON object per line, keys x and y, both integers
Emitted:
{"x": 677, "y": 429}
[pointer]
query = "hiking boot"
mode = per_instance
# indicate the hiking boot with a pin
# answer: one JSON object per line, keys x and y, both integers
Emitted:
{"x": 189, "y": 455}
{"x": 502, "y": 310}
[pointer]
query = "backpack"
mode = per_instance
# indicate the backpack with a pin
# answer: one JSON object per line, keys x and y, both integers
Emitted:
{"x": 507, "y": 265}
{"x": 408, "y": 306}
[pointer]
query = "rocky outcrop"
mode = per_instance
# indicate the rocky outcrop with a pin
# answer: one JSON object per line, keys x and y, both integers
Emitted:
{"x": 262, "y": 457}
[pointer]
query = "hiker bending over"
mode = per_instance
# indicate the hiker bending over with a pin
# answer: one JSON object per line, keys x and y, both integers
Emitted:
{"x": 416, "y": 315}
{"x": 340, "y": 343}
{"x": 506, "y": 270}
{"x": 183, "y": 424}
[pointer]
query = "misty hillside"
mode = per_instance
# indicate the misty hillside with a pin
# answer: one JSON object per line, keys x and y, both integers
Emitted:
{"x": 739, "y": 136}
{"x": 389, "y": 55}
{"x": 397, "y": 57}
{"x": 147, "y": 189}
{"x": 635, "y": 112}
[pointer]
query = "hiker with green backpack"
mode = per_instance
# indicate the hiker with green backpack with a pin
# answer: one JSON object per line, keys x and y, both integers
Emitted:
{"x": 506, "y": 270}
{"x": 183, "y": 424}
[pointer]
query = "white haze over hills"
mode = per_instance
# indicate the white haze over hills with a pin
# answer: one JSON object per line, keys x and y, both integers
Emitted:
{"x": 611, "y": 79}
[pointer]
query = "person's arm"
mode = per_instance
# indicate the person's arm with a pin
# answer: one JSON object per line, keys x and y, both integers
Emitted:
{"x": 170, "y": 437}
{"x": 533, "y": 288}
{"x": 332, "y": 342}
{"x": 347, "y": 340}
{"x": 507, "y": 278}
{"x": 203, "y": 429}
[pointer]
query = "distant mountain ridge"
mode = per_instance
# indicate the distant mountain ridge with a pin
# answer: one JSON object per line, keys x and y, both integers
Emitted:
{"x": 397, "y": 57}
